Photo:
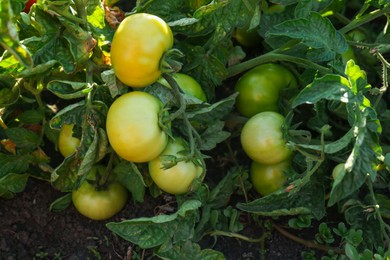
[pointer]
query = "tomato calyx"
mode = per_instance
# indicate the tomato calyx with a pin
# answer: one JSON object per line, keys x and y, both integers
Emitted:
{"x": 170, "y": 61}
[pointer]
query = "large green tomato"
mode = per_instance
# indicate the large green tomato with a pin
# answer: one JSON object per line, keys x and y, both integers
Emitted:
{"x": 179, "y": 178}
{"x": 67, "y": 143}
{"x": 99, "y": 203}
{"x": 188, "y": 84}
{"x": 137, "y": 48}
{"x": 133, "y": 129}
{"x": 262, "y": 138}
{"x": 259, "y": 88}
{"x": 268, "y": 178}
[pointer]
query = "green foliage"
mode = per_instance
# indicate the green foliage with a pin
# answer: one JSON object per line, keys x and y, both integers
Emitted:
{"x": 55, "y": 70}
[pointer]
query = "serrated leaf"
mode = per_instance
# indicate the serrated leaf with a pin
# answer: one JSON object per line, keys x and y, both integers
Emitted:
{"x": 213, "y": 112}
{"x": 155, "y": 231}
{"x": 309, "y": 200}
{"x": 314, "y": 31}
{"x": 213, "y": 135}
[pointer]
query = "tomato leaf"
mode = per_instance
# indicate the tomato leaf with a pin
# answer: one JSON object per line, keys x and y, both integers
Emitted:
{"x": 12, "y": 183}
{"x": 323, "y": 46}
{"x": 158, "y": 230}
{"x": 130, "y": 178}
{"x": 68, "y": 89}
{"x": 61, "y": 203}
{"x": 9, "y": 38}
{"x": 24, "y": 139}
{"x": 14, "y": 164}
{"x": 309, "y": 200}
{"x": 189, "y": 250}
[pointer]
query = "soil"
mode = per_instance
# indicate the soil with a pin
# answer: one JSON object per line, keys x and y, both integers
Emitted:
{"x": 28, "y": 230}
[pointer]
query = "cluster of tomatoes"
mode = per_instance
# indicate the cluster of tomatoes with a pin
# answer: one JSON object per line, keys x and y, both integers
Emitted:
{"x": 134, "y": 120}
{"x": 262, "y": 135}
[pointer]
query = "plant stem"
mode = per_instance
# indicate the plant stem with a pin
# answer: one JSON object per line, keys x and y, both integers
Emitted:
{"x": 364, "y": 19}
{"x": 306, "y": 243}
{"x": 236, "y": 235}
{"x": 271, "y": 57}
{"x": 385, "y": 228}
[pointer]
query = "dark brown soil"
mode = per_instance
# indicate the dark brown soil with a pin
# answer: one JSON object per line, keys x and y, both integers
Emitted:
{"x": 28, "y": 230}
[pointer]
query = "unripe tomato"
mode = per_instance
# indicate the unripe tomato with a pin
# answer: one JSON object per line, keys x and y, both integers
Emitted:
{"x": 99, "y": 203}
{"x": 179, "y": 178}
{"x": 337, "y": 170}
{"x": 259, "y": 88}
{"x": 188, "y": 84}
{"x": 262, "y": 138}
{"x": 67, "y": 143}
{"x": 137, "y": 47}
{"x": 133, "y": 127}
{"x": 268, "y": 178}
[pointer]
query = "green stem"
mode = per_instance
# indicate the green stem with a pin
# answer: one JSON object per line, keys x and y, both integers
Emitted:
{"x": 271, "y": 57}
{"x": 66, "y": 14}
{"x": 385, "y": 228}
{"x": 364, "y": 19}
{"x": 236, "y": 235}
{"x": 306, "y": 243}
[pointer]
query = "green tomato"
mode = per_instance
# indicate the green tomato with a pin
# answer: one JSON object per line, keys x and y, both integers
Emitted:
{"x": 67, "y": 143}
{"x": 338, "y": 170}
{"x": 99, "y": 203}
{"x": 137, "y": 48}
{"x": 188, "y": 84}
{"x": 262, "y": 138}
{"x": 133, "y": 128}
{"x": 259, "y": 88}
{"x": 178, "y": 179}
{"x": 268, "y": 178}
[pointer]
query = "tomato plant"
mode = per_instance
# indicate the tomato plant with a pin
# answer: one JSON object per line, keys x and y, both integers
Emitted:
{"x": 246, "y": 37}
{"x": 180, "y": 177}
{"x": 133, "y": 128}
{"x": 67, "y": 143}
{"x": 267, "y": 178}
{"x": 262, "y": 138}
{"x": 137, "y": 49}
{"x": 259, "y": 88}
{"x": 188, "y": 84}
{"x": 99, "y": 201}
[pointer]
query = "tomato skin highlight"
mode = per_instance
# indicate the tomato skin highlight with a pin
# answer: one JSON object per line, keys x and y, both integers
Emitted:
{"x": 138, "y": 45}
{"x": 268, "y": 178}
{"x": 179, "y": 178}
{"x": 133, "y": 129}
{"x": 67, "y": 144}
{"x": 262, "y": 138}
{"x": 99, "y": 204}
{"x": 188, "y": 84}
{"x": 259, "y": 88}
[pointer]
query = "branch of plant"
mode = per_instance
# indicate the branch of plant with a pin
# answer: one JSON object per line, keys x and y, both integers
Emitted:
{"x": 238, "y": 236}
{"x": 306, "y": 243}
{"x": 272, "y": 57}
{"x": 364, "y": 19}
{"x": 385, "y": 228}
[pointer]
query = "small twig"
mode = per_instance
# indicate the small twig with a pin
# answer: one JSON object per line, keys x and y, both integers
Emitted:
{"x": 306, "y": 243}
